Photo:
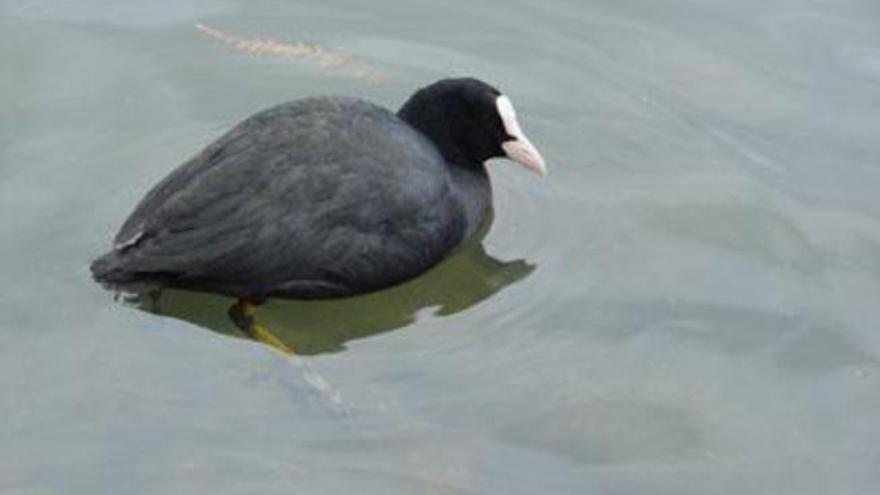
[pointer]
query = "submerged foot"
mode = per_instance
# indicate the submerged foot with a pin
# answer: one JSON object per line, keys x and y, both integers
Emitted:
{"x": 242, "y": 314}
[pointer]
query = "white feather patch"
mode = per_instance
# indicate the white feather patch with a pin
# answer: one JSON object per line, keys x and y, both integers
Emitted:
{"x": 518, "y": 149}
{"x": 131, "y": 241}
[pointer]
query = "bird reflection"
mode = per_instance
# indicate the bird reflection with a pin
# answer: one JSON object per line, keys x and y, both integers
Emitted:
{"x": 314, "y": 327}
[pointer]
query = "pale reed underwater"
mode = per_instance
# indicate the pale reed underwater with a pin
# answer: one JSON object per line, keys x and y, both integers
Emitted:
{"x": 326, "y": 58}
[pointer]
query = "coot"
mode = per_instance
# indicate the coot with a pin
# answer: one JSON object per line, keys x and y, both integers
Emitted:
{"x": 323, "y": 197}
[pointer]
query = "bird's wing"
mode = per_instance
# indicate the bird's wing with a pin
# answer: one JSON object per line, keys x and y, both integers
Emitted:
{"x": 262, "y": 209}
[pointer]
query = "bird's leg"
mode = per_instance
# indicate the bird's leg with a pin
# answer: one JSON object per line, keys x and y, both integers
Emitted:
{"x": 242, "y": 313}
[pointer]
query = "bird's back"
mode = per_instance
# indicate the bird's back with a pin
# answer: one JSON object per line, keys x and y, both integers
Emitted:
{"x": 319, "y": 197}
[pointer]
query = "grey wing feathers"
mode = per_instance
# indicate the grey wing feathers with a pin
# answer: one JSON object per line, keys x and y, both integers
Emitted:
{"x": 303, "y": 199}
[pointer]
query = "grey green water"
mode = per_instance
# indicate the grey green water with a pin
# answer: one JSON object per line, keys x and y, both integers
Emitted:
{"x": 688, "y": 304}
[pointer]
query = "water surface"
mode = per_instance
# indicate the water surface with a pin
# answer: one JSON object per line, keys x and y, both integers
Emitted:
{"x": 688, "y": 304}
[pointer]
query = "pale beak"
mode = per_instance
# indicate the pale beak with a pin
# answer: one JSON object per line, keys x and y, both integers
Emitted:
{"x": 518, "y": 149}
{"x": 522, "y": 151}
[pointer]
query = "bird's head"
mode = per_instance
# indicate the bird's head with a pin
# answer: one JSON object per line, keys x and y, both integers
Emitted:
{"x": 470, "y": 122}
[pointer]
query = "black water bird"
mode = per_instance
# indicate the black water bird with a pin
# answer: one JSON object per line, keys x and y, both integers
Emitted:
{"x": 322, "y": 197}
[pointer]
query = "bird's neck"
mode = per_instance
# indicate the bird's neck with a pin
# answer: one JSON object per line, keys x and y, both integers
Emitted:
{"x": 432, "y": 121}
{"x": 474, "y": 192}
{"x": 469, "y": 176}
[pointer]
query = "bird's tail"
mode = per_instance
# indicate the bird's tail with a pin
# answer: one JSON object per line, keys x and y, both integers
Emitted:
{"x": 109, "y": 270}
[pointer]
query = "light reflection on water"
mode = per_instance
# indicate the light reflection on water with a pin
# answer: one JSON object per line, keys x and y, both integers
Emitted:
{"x": 701, "y": 316}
